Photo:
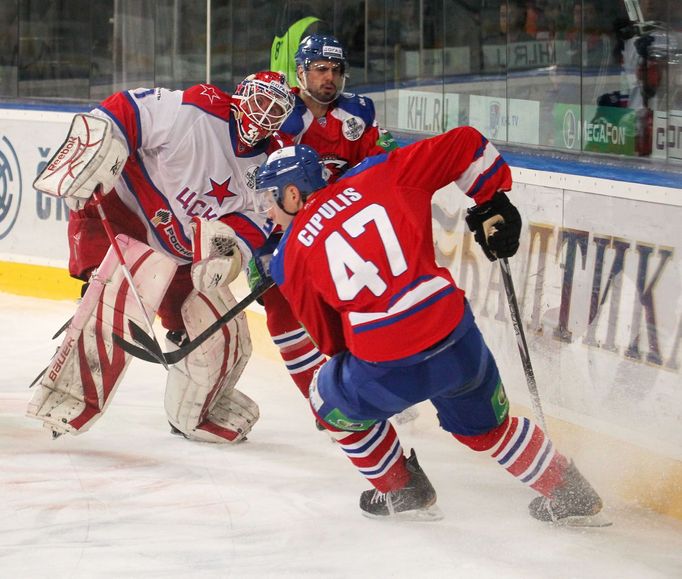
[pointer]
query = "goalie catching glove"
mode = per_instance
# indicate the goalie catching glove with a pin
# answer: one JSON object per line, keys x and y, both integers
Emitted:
{"x": 217, "y": 259}
{"x": 496, "y": 225}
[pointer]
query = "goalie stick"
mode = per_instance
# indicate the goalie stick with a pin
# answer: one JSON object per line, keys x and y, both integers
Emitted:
{"x": 154, "y": 346}
{"x": 87, "y": 164}
{"x": 145, "y": 352}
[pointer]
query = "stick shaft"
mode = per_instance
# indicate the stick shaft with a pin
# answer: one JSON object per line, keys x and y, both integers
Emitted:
{"x": 522, "y": 344}
{"x": 124, "y": 267}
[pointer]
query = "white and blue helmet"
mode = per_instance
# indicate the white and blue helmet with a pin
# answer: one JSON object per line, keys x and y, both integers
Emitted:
{"x": 298, "y": 165}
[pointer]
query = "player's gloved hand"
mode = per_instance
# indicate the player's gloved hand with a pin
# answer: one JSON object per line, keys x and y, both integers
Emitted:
{"x": 217, "y": 260}
{"x": 496, "y": 225}
{"x": 258, "y": 269}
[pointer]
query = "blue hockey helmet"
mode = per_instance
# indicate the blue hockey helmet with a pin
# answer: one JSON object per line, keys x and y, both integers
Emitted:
{"x": 320, "y": 47}
{"x": 297, "y": 165}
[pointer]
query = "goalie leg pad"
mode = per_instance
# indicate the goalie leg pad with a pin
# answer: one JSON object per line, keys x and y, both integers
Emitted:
{"x": 87, "y": 368}
{"x": 200, "y": 398}
{"x": 231, "y": 418}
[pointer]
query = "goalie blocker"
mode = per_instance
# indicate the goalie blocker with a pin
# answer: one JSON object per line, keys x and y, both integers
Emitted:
{"x": 92, "y": 154}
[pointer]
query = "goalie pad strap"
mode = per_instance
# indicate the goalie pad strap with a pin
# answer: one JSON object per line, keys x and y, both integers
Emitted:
{"x": 232, "y": 417}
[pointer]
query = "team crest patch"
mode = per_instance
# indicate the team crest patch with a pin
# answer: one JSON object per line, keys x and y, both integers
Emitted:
{"x": 353, "y": 128}
{"x": 161, "y": 217}
{"x": 333, "y": 165}
{"x": 250, "y": 176}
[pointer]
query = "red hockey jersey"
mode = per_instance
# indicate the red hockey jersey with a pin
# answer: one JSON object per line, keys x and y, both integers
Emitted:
{"x": 344, "y": 136}
{"x": 358, "y": 262}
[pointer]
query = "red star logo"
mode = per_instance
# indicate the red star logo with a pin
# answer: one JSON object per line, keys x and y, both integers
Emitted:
{"x": 210, "y": 93}
{"x": 220, "y": 190}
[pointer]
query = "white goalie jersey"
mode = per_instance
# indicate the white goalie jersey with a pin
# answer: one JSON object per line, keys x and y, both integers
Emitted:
{"x": 187, "y": 161}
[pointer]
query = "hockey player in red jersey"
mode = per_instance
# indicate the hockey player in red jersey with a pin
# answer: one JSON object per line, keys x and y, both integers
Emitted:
{"x": 340, "y": 126}
{"x": 187, "y": 162}
{"x": 343, "y": 129}
{"x": 357, "y": 264}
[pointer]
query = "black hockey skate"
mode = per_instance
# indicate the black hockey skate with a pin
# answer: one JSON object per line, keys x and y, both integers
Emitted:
{"x": 575, "y": 503}
{"x": 415, "y": 501}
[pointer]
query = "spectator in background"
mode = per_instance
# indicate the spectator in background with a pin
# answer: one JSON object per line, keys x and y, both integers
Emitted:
{"x": 513, "y": 22}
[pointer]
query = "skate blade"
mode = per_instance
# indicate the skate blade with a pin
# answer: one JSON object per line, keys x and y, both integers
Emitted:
{"x": 432, "y": 513}
{"x": 598, "y": 520}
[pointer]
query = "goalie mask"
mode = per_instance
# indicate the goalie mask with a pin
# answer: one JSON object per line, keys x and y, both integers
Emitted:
{"x": 321, "y": 53}
{"x": 298, "y": 165}
{"x": 263, "y": 101}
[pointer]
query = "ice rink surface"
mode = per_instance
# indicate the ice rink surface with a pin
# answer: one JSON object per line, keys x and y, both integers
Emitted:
{"x": 127, "y": 499}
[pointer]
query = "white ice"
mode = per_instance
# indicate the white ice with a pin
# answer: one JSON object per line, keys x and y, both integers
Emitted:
{"x": 127, "y": 499}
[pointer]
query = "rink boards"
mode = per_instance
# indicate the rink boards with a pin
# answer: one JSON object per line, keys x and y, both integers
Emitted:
{"x": 598, "y": 279}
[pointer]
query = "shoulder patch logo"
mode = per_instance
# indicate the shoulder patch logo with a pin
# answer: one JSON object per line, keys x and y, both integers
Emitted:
{"x": 352, "y": 128}
{"x": 210, "y": 93}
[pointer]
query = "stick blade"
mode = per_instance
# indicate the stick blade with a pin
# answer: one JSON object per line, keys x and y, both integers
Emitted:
{"x": 149, "y": 343}
{"x": 133, "y": 350}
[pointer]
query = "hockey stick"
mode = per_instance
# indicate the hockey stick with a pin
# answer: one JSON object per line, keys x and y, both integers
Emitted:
{"x": 147, "y": 342}
{"x": 521, "y": 342}
{"x": 153, "y": 347}
{"x": 63, "y": 328}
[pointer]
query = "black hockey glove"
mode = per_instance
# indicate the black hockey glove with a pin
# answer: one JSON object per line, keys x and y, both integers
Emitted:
{"x": 496, "y": 225}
